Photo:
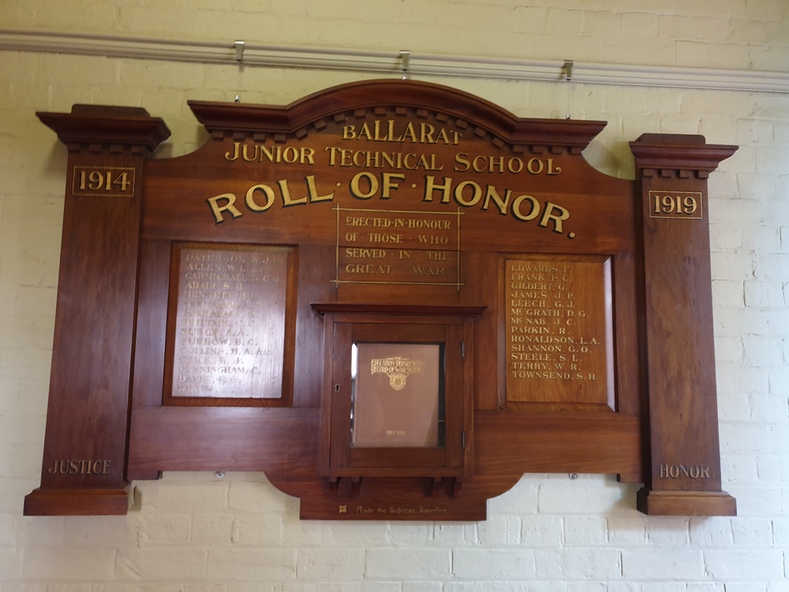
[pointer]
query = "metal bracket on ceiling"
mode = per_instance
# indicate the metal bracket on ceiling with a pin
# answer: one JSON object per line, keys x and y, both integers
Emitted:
{"x": 567, "y": 68}
{"x": 405, "y": 56}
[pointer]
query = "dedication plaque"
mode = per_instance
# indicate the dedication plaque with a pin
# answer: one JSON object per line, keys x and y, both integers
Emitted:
{"x": 398, "y": 247}
{"x": 559, "y": 335}
{"x": 397, "y": 395}
{"x": 230, "y": 316}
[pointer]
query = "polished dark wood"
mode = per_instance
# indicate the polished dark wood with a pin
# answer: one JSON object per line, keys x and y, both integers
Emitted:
{"x": 399, "y": 204}
{"x": 85, "y": 446}
{"x": 684, "y": 475}
{"x": 417, "y": 96}
{"x": 450, "y": 458}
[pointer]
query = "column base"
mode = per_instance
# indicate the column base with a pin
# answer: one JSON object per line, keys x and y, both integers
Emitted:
{"x": 686, "y": 503}
{"x": 77, "y": 502}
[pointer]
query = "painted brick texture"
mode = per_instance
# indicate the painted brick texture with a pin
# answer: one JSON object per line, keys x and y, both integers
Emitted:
{"x": 702, "y": 33}
{"x": 195, "y": 532}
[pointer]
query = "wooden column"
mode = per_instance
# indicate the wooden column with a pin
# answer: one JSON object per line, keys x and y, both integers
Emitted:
{"x": 87, "y": 420}
{"x": 683, "y": 477}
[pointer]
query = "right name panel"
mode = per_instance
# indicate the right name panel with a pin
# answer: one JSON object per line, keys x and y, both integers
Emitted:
{"x": 558, "y": 332}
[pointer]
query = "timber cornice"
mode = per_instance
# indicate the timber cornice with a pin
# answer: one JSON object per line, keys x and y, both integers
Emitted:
{"x": 357, "y": 98}
{"x": 104, "y": 125}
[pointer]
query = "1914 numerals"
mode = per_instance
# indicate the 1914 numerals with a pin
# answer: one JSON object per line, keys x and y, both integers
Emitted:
{"x": 675, "y": 204}
{"x": 103, "y": 181}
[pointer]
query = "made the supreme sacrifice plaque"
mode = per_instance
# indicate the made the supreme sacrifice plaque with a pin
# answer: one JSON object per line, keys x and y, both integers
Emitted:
{"x": 392, "y": 297}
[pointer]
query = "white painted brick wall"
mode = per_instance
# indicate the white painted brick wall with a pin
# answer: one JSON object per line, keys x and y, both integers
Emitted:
{"x": 193, "y": 532}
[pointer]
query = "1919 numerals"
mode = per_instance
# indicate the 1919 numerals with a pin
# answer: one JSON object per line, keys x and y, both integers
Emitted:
{"x": 676, "y": 204}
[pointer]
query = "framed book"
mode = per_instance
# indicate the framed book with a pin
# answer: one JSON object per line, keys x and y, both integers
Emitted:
{"x": 397, "y": 395}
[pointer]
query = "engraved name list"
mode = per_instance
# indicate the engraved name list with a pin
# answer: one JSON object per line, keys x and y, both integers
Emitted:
{"x": 230, "y": 324}
{"x": 558, "y": 330}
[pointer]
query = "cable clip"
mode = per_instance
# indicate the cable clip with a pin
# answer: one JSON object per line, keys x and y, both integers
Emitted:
{"x": 239, "y": 46}
{"x": 405, "y": 55}
{"x": 567, "y": 68}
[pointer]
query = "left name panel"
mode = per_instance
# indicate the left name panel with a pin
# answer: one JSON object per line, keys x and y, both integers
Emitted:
{"x": 227, "y": 335}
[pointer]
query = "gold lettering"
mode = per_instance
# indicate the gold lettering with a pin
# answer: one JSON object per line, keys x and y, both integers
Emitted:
{"x": 368, "y": 268}
{"x": 376, "y": 237}
{"x": 666, "y": 471}
{"x": 286, "y": 199}
{"x": 500, "y": 164}
{"x": 409, "y": 133}
{"x": 372, "y": 183}
{"x": 378, "y": 137}
{"x": 540, "y": 300}
{"x": 307, "y": 155}
{"x": 368, "y": 221}
{"x": 535, "y": 166}
{"x": 365, "y": 185}
{"x": 236, "y": 146}
{"x": 364, "y": 132}
{"x": 332, "y": 150}
{"x": 501, "y": 204}
{"x": 389, "y": 183}
{"x": 557, "y": 218}
{"x": 384, "y": 131}
{"x": 476, "y": 194}
{"x": 515, "y": 165}
{"x": 516, "y": 208}
{"x": 478, "y": 164}
{"x": 250, "y": 198}
{"x": 376, "y": 160}
{"x": 255, "y": 153}
{"x": 431, "y": 224}
{"x": 276, "y": 154}
{"x": 461, "y": 160}
{"x": 443, "y": 137}
{"x": 80, "y": 467}
{"x": 355, "y": 252}
{"x": 312, "y": 190}
{"x": 426, "y": 135}
{"x": 427, "y": 270}
{"x": 217, "y": 210}
{"x": 103, "y": 181}
{"x": 430, "y": 187}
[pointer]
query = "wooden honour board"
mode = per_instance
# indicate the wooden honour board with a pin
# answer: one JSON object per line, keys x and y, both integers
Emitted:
{"x": 190, "y": 329}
